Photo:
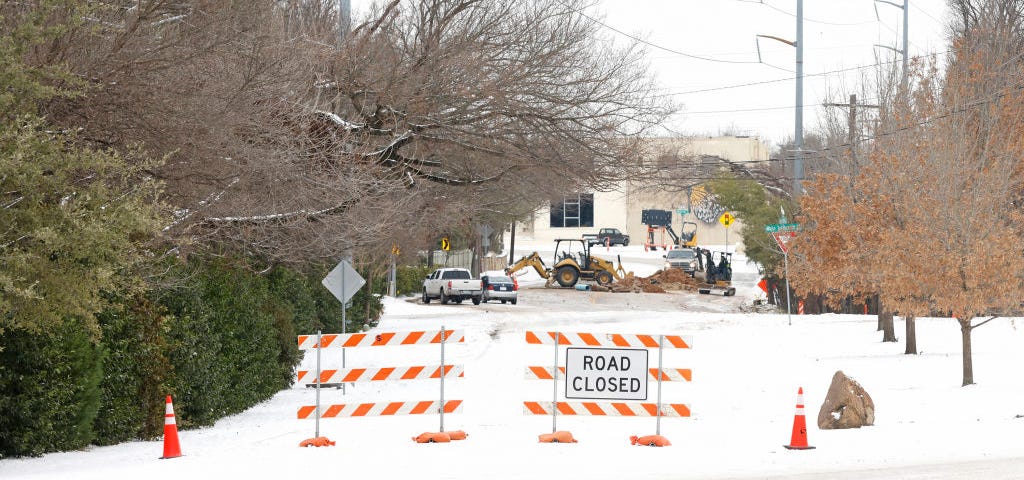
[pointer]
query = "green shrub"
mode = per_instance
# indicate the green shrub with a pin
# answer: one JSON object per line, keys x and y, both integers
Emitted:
{"x": 410, "y": 279}
{"x": 135, "y": 371}
{"x": 50, "y": 383}
{"x": 225, "y": 342}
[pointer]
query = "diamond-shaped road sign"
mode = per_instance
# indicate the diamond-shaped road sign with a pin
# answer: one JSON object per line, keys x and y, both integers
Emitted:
{"x": 343, "y": 274}
{"x": 783, "y": 238}
{"x": 726, "y": 219}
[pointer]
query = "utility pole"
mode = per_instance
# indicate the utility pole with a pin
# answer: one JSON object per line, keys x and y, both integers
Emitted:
{"x": 798, "y": 130}
{"x": 344, "y": 19}
{"x": 851, "y": 135}
{"x": 798, "y": 162}
{"x": 906, "y": 37}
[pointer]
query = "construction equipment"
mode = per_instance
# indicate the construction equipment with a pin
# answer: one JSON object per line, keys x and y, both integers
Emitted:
{"x": 656, "y": 220}
{"x": 687, "y": 236}
{"x": 662, "y": 220}
{"x": 571, "y": 264}
{"x": 717, "y": 277}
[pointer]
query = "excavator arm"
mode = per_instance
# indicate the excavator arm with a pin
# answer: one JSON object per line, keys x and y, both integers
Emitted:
{"x": 531, "y": 260}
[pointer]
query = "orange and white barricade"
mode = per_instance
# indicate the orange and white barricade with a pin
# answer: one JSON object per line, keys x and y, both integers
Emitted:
{"x": 355, "y": 375}
{"x": 320, "y": 377}
{"x": 586, "y": 376}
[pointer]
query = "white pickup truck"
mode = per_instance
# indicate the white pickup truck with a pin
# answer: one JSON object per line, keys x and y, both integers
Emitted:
{"x": 452, "y": 284}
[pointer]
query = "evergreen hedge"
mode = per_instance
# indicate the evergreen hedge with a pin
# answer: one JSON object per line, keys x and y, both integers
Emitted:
{"x": 223, "y": 342}
{"x": 51, "y": 389}
{"x": 220, "y": 339}
{"x": 135, "y": 372}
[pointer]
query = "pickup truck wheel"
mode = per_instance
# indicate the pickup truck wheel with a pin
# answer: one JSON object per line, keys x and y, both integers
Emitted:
{"x": 513, "y": 301}
{"x": 603, "y": 278}
{"x": 625, "y": 243}
{"x": 476, "y": 300}
{"x": 444, "y": 298}
{"x": 502, "y": 302}
{"x": 426, "y": 298}
{"x": 567, "y": 276}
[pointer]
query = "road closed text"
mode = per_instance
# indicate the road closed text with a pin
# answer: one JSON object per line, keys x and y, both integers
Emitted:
{"x": 606, "y": 373}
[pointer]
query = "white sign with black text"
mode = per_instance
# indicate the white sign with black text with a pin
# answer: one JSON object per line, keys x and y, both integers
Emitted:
{"x": 606, "y": 373}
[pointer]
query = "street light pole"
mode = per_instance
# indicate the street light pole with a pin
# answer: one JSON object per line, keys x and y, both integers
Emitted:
{"x": 906, "y": 37}
{"x": 798, "y": 162}
{"x": 798, "y": 130}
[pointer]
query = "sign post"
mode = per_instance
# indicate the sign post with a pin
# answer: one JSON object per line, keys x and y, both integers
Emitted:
{"x": 726, "y": 220}
{"x": 393, "y": 272}
{"x": 317, "y": 384}
{"x": 440, "y": 408}
{"x": 661, "y": 375}
{"x": 343, "y": 282}
{"x": 554, "y": 384}
{"x": 783, "y": 233}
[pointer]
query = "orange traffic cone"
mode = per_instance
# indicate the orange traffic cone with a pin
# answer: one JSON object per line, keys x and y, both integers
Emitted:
{"x": 172, "y": 448}
{"x": 799, "y": 439}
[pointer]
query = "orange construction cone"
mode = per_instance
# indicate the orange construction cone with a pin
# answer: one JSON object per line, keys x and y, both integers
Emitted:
{"x": 799, "y": 439}
{"x": 172, "y": 448}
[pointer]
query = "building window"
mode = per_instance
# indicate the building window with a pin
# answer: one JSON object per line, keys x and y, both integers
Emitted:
{"x": 573, "y": 211}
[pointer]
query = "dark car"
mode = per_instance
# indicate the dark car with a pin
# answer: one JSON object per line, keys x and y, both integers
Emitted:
{"x": 607, "y": 236}
{"x": 500, "y": 287}
{"x": 683, "y": 258}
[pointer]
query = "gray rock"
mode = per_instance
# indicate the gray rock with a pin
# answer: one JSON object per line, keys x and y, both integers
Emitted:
{"x": 847, "y": 405}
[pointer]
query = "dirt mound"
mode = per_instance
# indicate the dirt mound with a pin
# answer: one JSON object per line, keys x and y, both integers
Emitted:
{"x": 660, "y": 282}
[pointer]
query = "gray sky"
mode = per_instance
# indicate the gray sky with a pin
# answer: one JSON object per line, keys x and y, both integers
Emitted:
{"x": 838, "y": 35}
{"x": 838, "y": 44}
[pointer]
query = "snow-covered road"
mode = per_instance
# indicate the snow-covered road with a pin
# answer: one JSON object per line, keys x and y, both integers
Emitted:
{"x": 747, "y": 368}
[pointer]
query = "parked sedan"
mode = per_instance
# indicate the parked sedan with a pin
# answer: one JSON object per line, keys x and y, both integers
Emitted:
{"x": 500, "y": 287}
{"x": 683, "y": 258}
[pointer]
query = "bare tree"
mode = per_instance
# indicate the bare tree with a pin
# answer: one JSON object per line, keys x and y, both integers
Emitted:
{"x": 431, "y": 115}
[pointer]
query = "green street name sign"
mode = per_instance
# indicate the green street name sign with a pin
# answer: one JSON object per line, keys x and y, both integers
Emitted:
{"x": 782, "y": 227}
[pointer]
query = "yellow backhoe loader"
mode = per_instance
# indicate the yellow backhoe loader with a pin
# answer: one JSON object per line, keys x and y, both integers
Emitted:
{"x": 572, "y": 263}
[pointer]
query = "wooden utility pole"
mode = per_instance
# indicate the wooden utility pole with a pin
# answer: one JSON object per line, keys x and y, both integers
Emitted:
{"x": 851, "y": 135}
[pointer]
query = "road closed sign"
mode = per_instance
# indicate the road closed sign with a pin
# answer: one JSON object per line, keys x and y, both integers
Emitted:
{"x": 606, "y": 373}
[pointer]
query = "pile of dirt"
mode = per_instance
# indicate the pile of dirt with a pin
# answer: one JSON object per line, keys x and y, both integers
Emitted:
{"x": 660, "y": 282}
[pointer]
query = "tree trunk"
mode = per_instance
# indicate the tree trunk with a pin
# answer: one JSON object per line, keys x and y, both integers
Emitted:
{"x": 885, "y": 323}
{"x": 888, "y": 327}
{"x": 512, "y": 245}
{"x": 911, "y": 335}
{"x": 965, "y": 337}
{"x": 879, "y": 312}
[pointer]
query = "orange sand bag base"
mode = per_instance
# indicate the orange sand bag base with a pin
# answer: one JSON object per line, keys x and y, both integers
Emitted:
{"x": 560, "y": 436}
{"x": 650, "y": 441}
{"x": 440, "y": 437}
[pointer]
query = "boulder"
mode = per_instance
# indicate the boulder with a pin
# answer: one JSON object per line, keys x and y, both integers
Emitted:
{"x": 847, "y": 405}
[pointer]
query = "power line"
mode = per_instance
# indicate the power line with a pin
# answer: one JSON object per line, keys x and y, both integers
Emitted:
{"x": 777, "y": 9}
{"x": 744, "y": 110}
{"x": 778, "y": 80}
{"x": 670, "y": 50}
{"x": 939, "y": 22}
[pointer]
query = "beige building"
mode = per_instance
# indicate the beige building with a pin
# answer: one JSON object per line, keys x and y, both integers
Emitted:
{"x": 587, "y": 212}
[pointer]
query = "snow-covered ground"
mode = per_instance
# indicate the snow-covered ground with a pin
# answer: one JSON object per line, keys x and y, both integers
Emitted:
{"x": 747, "y": 368}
